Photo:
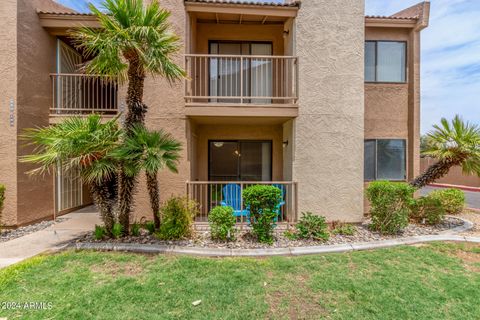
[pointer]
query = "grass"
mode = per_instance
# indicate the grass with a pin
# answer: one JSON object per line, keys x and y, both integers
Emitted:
{"x": 435, "y": 281}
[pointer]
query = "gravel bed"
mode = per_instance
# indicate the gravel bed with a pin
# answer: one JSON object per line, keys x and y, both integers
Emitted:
{"x": 10, "y": 234}
{"x": 244, "y": 239}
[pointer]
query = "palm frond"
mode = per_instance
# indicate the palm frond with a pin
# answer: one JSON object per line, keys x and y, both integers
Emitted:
{"x": 128, "y": 27}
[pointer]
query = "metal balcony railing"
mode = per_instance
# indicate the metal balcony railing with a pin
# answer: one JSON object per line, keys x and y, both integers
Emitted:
{"x": 83, "y": 94}
{"x": 209, "y": 194}
{"x": 241, "y": 79}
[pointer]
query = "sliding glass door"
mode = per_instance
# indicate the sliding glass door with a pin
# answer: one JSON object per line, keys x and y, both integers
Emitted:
{"x": 240, "y": 161}
{"x": 228, "y": 73}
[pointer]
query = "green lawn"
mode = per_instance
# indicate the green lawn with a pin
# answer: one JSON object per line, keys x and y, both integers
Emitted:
{"x": 437, "y": 281}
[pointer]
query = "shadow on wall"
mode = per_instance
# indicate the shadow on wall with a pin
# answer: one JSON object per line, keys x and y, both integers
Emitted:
{"x": 454, "y": 177}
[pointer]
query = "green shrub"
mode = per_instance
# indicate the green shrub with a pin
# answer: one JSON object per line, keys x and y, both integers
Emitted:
{"x": 177, "y": 215}
{"x": 263, "y": 201}
{"x": 390, "y": 205}
{"x": 2, "y": 200}
{"x": 117, "y": 230}
{"x": 311, "y": 226}
{"x": 100, "y": 232}
{"x": 453, "y": 200}
{"x": 222, "y": 223}
{"x": 427, "y": 210}
{"x": 135, "y": 229}
{"x": 149, "y": 226}
{"x": 342, "y": 228}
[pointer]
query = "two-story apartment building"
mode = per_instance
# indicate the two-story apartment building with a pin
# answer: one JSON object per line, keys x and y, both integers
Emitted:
{"x": 312, "y": 96}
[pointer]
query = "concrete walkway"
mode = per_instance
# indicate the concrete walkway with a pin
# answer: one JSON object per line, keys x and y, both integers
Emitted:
{"x": 52, "y": 238}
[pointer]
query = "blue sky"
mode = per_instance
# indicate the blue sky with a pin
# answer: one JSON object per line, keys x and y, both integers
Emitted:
{"x": 450, "y": 56}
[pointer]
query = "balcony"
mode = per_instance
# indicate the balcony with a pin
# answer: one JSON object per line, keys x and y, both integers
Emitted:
{"x": 209, "y": 194}
{"x": 81, "y": 94}
{"x": 241, "y": 80}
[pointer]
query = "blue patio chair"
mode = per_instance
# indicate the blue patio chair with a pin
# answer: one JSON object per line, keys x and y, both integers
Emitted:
{"x": 282, "y": 203}
{"x": 232, "y": 197}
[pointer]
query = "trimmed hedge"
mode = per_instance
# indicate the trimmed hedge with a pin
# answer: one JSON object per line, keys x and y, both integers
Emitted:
{"x": 427, "y": 210}
{"x": 263, "y": 201}
{"x": 453, "y": 200}
{"x": 390, "y": 205}
{"x": 222, "y": 223}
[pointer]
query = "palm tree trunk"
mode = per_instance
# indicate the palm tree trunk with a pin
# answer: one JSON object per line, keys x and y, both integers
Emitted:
{"x": 135, "y": 115}
{"x": 433, "y": 173}
{"x": 103, "y": 195}
{"x": 154, "y": 193}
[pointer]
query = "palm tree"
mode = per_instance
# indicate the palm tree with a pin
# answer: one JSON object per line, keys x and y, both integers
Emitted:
{"x": 452, "y": 144}
{"x": 84, "y": 144}
{"x": 134, "y": 40}
{"x": 150, "y": 151}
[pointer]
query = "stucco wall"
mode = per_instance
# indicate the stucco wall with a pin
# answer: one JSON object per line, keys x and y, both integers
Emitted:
{"x": 386, "y": 111}
{"x": 8, "y": 91}
{"x": 166, "y": 110}
{"x": 454, "y": 176}
{"x": 392, "y": 110}
{"x": 238, "y": 132}
{"x": 36, "y": 60}
{"x": 329, "y": 130}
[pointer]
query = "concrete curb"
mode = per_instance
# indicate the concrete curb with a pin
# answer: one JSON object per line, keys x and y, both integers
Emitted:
{"x": 454, "y": 186}
{"x": 449, "y": 235}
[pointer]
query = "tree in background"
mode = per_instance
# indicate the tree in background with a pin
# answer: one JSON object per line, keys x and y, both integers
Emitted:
{"x": 455, "y": 143}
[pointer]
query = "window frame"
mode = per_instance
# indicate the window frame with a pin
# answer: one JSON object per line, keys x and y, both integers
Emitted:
{"x": 376, "y": 62}
{"x": 239, "y": 141}
{"x": 376, "y": 159}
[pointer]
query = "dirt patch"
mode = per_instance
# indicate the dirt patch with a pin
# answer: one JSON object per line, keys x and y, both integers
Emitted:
{"x": 297, "y": 301}
{"x": 115, "y": 269}
{"x": 468, "y": 253}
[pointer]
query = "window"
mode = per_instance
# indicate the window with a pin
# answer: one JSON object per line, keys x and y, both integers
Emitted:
{"x": 385, "y": 61}
{"x": 385, "y": 159}
{"x": 240, "y": 160}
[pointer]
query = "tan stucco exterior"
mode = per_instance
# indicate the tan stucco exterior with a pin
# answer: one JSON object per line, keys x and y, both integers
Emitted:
{"x": 329, "y": 131}
{"x": 317, "y": 140}
{"x": 8, "y": 94}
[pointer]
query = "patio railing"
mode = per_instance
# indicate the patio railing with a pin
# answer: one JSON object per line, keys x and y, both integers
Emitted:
{"x": 83, "y": 94}
{"x": 209, "y": 194}
{"x": 241, "y": 79}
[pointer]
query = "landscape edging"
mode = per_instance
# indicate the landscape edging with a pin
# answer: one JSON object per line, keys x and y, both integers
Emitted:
{"x": 448, "y": 235}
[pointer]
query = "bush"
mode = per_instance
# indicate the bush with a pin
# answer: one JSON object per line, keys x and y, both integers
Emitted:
{"x": 177, "y": 215}
{"x": 311, "y": 226}
{"x": 149, "y": 226}
{"x": 453, "y": 200}
{"x": 263, "y": 201}
{"x": 342, "y": 228}
{"x": 222, "y": 223}
{"x": 135, "y": 229}
{"x": 390, "y": 205}
{"x": 100, "y": 232}
{"x": 2, "y": 200}
{"x": 427, "y": 210}
{"x": 117, "y": 230}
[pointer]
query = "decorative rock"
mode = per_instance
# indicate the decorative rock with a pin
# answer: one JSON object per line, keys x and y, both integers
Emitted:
{"x": 6, "y": 235}
{"x": 245, "y": 240}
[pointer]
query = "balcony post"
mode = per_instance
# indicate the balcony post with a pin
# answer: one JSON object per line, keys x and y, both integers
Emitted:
{"x": 241, "y": 80}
